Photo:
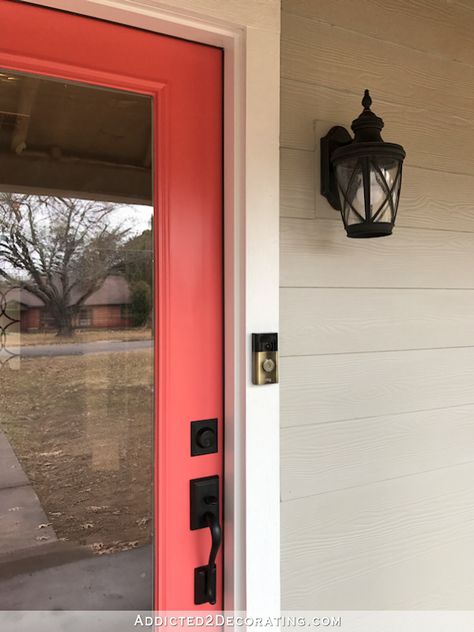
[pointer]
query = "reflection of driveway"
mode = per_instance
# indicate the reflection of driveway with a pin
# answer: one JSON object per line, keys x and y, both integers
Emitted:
{"x": 80, "y": 348}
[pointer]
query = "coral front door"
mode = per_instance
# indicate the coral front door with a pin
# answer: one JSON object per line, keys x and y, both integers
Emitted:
{"x": 110, "y": 316}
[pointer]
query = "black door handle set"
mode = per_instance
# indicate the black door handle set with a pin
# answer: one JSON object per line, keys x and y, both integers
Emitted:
{"x": 204, "y": 497}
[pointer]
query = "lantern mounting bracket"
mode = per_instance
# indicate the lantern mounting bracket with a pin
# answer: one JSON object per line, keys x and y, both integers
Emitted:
{"x": 336, "y": 137}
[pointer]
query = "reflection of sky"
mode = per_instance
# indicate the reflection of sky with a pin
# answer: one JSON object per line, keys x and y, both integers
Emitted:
{"x": 134, "y": 216}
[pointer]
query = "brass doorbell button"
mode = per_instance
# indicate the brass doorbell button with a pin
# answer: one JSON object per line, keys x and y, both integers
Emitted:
{"x": 268, "y": 365}
{"x": 265, "y": 358}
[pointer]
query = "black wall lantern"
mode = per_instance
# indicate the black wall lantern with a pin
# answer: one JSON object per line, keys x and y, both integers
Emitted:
{"x": 361, "y": 177}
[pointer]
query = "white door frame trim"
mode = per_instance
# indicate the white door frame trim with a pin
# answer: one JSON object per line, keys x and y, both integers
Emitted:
{"x": 251, "y": 136}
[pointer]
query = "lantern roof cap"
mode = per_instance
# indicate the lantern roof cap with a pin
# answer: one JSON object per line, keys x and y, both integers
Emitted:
{"x": 369, "y": 149}
{"x": 367, "y": 126}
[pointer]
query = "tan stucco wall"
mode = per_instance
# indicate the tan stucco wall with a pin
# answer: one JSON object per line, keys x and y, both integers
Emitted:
{"x": 377, "y": 335}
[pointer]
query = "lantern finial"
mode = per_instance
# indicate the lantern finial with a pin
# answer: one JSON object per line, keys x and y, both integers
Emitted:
{"x": 367, "y": 126}
{"x": 366, "y": 100}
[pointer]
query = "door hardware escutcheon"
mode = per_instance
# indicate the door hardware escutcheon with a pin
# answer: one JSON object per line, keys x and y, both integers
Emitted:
{"x": 204, "y": 512}
{"x": 204, "y": 437}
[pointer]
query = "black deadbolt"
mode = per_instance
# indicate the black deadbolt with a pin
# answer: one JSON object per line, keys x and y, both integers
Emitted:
{"x": 203, "y": 437}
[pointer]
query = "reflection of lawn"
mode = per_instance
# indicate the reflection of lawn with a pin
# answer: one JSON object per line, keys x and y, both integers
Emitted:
{"x": 82, "y": 335}
{"x": 82, "y": 429}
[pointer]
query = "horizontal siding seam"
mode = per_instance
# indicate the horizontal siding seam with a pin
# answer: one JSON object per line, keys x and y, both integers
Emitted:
{"x": 411, "y": 228}
{"x": 375, "y": 287}
{"x": 374, "y": 352}
{"x": 345, "y": 29}
{"x": 466, "y": 7}
{"x": 378, "y": 482}
{"x": 310, "y": 151}
{"x": 437, "y": 110}
{"x": 400, "y": 225}
{"x": 369, "y": 417}
{"x": 371, "y": 287}
{"x": 347, "y": 92}
{"x": 411, "y": 166}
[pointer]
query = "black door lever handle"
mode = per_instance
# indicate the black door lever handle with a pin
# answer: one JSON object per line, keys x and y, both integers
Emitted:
{"x": 212, "y": 521}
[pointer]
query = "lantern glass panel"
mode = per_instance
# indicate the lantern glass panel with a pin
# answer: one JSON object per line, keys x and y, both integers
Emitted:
{"x": 379, "y": 177}
{"x": 351, "y": 191}
{"x": 385, "y": 190}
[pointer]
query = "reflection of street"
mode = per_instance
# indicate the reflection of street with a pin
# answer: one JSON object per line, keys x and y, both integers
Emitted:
{"x": 81, "y": 348}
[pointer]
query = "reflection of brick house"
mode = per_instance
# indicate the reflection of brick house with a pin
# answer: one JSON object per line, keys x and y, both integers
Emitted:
{"x": 108, "y": 307}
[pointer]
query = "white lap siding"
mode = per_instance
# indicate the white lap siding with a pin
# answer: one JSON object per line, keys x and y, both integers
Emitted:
{"x": 377, "y": 336}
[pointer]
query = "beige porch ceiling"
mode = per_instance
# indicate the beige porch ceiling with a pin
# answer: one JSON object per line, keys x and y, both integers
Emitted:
{"x": 58, "y": 137}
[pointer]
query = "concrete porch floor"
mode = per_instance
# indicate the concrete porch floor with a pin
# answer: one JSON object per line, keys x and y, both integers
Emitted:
{"x": 119, "y": 581}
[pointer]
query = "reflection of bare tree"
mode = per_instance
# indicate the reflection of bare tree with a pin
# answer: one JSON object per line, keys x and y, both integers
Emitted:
{"x": 59, "y": 249}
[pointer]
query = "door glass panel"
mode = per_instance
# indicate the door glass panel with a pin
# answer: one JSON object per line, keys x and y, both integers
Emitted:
{"x": 76, "y": 346}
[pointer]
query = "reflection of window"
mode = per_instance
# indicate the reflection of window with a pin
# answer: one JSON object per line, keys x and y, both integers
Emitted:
{"x": 85, "y": 317}
{"x": 124, "y": 311}
{"x": 47, "y": 321}
{"x": 12, "y": 310}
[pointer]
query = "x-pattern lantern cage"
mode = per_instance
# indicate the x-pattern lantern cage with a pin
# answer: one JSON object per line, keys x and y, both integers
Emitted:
{"x": 361, "y": 176}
